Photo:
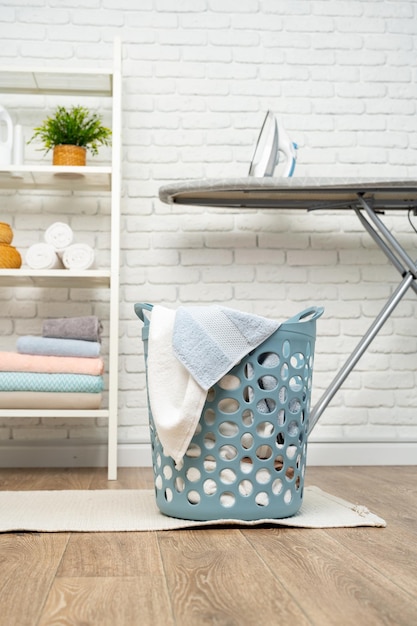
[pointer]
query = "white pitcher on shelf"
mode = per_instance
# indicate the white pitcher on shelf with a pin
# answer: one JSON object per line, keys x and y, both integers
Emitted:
{"x": 6, "y": 137}
{"x": 18, "y": 149}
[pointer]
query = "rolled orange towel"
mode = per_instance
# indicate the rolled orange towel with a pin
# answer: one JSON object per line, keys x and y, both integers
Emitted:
{"x": 9, "y": 257}
{"x": 6, "y": 233}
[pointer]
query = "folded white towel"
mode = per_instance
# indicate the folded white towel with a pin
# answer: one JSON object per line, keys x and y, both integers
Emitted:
{"x": 42, "y": 256}
{"x": 176, "y": 399}
{"x": 78, "y": 256}
{"x": 59, "y": 235}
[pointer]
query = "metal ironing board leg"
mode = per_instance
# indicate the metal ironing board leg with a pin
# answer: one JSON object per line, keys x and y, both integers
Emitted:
{"x": 366, "y": 198}
{"x": 409, "y": 280}
{"x": 381, "y": 243}
{"x": 379, "y": 224}
{"x": 360, "y": 349}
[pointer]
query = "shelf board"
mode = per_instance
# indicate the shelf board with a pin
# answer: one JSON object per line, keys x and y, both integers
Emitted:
{"x": 63, "y": 278}
{"x": 56, "y": 80}
{"x": 93, "y": 413}
{"x": 73, "y": 178}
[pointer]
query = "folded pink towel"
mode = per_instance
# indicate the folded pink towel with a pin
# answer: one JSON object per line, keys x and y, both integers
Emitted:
{"x": 18, "y": 362}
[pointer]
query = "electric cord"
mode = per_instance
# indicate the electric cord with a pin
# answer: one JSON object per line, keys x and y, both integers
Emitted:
{"x": 410, "y": 212}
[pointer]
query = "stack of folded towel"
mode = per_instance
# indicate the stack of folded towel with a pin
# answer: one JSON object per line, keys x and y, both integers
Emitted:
{"x": 58, "y": 251}
{"x": 62, "y": 369}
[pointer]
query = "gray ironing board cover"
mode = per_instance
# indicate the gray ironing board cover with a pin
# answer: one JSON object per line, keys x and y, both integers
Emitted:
{"x": 297, "y": 192}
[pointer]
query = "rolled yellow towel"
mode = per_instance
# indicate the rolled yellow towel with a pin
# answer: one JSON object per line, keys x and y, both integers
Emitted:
{"x": 9, "y": 257}
{"x": 6, "y": 233}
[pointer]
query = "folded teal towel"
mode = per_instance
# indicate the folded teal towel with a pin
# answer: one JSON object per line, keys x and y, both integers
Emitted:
{"x": 52, "y": 346}
{"x": 36, "y": 381}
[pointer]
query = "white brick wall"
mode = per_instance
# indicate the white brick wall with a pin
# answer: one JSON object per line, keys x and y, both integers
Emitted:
{"x": 198, "y": 77}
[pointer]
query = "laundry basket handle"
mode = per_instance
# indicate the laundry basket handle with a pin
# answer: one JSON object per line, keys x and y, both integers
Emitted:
{"x": 308, "y": 315}
{"x": 140, "y": 308}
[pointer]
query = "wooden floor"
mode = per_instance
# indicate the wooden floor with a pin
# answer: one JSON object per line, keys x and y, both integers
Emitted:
{"x": 261, "y": 576}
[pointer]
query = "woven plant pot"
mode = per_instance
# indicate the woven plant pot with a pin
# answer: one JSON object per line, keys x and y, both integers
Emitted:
{"x": 9, "y": 257}
{"x": 69, "y": 155}
{"x": 6, "y": 233}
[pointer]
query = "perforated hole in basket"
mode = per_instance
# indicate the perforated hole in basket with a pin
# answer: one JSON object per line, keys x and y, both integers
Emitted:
{"x": 248, "y": 451}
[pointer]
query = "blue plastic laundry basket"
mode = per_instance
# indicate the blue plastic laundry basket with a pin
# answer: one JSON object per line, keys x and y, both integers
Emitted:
{"x": 247, "y": 457}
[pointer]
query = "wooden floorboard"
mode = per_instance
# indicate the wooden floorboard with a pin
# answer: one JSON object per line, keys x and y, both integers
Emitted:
{"x": 28, "y": 567}
{"x": 217, "y": 576}
{"x": 39, "y": 479}
{"x": 105, "y": 601}
{"x": 329, "y": 579}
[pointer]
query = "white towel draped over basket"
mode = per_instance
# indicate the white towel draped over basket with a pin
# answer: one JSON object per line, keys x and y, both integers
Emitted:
{"x": 189, "y": 351}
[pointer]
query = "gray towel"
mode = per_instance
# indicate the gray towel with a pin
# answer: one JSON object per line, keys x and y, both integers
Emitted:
{"x": 87, "y": 328}
{"x": 210, "y": 340}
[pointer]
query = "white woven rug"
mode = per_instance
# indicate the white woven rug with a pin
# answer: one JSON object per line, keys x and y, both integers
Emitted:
{"x": 113, "y": 510}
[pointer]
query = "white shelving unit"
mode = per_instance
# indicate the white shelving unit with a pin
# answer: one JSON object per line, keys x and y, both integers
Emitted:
{"x": 101, "y": 82}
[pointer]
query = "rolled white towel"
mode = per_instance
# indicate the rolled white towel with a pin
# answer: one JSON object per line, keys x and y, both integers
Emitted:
{"x": 42, "y": 256}
{"x": 59, "y": 235}
{"x": 78, "y": 256}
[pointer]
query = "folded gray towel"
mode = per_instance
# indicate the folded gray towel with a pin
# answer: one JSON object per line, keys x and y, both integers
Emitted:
{"x": 87, "y": 328}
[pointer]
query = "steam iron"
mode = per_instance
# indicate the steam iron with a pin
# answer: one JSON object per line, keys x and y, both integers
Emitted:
{"x": 273, "y": 140}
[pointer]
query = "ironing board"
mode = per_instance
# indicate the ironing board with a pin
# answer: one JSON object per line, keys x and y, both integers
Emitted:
{"x": 367, "y": 198}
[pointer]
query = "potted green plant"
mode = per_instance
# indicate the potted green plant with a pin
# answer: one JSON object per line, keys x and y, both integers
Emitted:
{"x": 70, "y": 133}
